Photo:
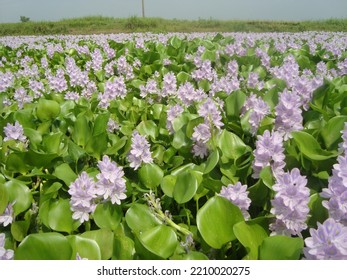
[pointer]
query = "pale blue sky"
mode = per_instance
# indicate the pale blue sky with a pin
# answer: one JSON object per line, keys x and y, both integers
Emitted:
{"x": 11, "y": 10}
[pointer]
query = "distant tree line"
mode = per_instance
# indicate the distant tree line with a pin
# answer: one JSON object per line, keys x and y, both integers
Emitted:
{"x": 24, "y": 19}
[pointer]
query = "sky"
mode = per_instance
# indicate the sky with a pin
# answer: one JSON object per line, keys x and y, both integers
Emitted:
{"x": 52, "y": 10}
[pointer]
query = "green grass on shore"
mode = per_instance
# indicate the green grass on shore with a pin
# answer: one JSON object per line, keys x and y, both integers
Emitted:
{"x": 97, "y": 25}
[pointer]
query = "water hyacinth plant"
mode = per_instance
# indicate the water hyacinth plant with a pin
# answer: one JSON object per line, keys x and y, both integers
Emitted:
{"x": 173, "y": 146}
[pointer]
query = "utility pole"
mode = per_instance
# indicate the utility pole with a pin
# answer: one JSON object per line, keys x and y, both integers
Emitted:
{"x": 143, "y": 8}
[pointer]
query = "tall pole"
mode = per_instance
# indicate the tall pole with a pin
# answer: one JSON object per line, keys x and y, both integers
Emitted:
{"x": 143, "y": 8}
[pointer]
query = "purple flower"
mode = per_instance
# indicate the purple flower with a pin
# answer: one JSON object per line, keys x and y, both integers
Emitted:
{"x": 112, "y": 126}
{"x": 169, "y": 84}
{"x": 200, "y": 150}
{"x": 14, "y": 132}
{"x": 343, "y": 145}
{"x": 186, "y": 93}
{"x": 258, "y": 109}
{"x": 290, "y": 204}
{"x": 83, "y": 193}
{"x": 288, "y": 114}
{"x": 327, "y": 242}
{"x": 337, "y": 191}
{"x": 4, "y": 253}
{"x": 150, "y": 88}
{"x": 253, "y": 79}
{"x": 172, "y": 113}
{"x": 140, "y": 151}
{"x": 110, "y": 182}
{"x": 201, "y": 133}
{"x": 238, "y": 195}
{"x": 7, "y": 217}
{"x": 269, "y": 152}
{"x": 210, "y": 112}
{"x": 22, "y": 97}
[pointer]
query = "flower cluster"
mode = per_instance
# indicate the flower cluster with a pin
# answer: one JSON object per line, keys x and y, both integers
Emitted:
{"x": 83, "y": 193}
{"x": 7, "y": 217}
{"x": 86, "y": 193}
{"x": 290, "y": 204}
{"x": 140, "y": 151}
{"x": 111, "y": 183}
{"x": 337, "y": 186}
{"x": 203, "y": 132}
{"x": 288, "y": 114}
{"x": 327, "y": 242}
{"x": 238, "y": 195}
{"x": 172, "y": 113}
{"x": 5, "y": 254}
{"x": 269, "y": 152}
{"x": 258, "y": 109}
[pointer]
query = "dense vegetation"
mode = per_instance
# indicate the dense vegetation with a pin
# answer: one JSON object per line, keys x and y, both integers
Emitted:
{"x": 99, "y": 25}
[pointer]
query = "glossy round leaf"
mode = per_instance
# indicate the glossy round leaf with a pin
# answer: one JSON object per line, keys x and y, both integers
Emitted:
{"x": 251, "y": 237}
{"x": 85, "y": 247}
{"x": 3, "y": 198}
{"x": 107, "y": 215}
{"x": 216, "y": 219}
{"x": 47, "y": 109}
{"x": 65, "y": 173}
{"x": 168, "y": 184}
{"x": 231, "y": 145}
{"x": 160, "y": 240}
{"x": 185, "y": 187}
{"x": 310, "y": 147}
{"x": 60, "y": 216}
{"x": 20, "y": 194}
{"x": 151, "y": 175}
{"x": 44, "y": 246}
{"x": 104, "y": 238}
{"x": 281, "y": 247}
{"x": 139, "y": 218}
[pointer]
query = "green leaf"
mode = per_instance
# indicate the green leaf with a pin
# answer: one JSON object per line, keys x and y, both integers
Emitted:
{"x": 168, "y": 184}
{"x": 234, "y": 103}
{"x": 185, "y": 187}
{"x": 85, "y": 247}
{"x": 331, "y": 132}
{"x": 47, "y": 109}
{"x": 211, "y": 162}
{"x": 60, "y": 216}
{"x": 44, "y": 246}
{"x": 81, "y": 133}
{"x": 123, "y": 246}
{"x": 216, "y": 219}
{"x": 281, "y": 248}
{"x": 150, "y": 175}
{"x": 19, "y": 229}
{"x": 310, "y": 148}
{"x": 19, "y": 193}
{"x": 191, "y": 255}
{"x": 107, "y": 215}
{"x": 160, "y": 240}
{"x": 318, "y": 213}
{"x": 104, "y": 238}
{"x": 100, "y": 124}
{"x": 182, "y": 77}
{"x": 266, "y": 176}
{"x": 231, "y": 145}
{"x": 52, "y": 143}
{"x": 139, "y": 218}
{"x": 65, "y": 173}
{"x": 175, "y": 42}
{"x": 3, "y": 198}
{"x": 15, "y": 162}
{"x": 251, "y": 237}
{"x": 148, "y": 128}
